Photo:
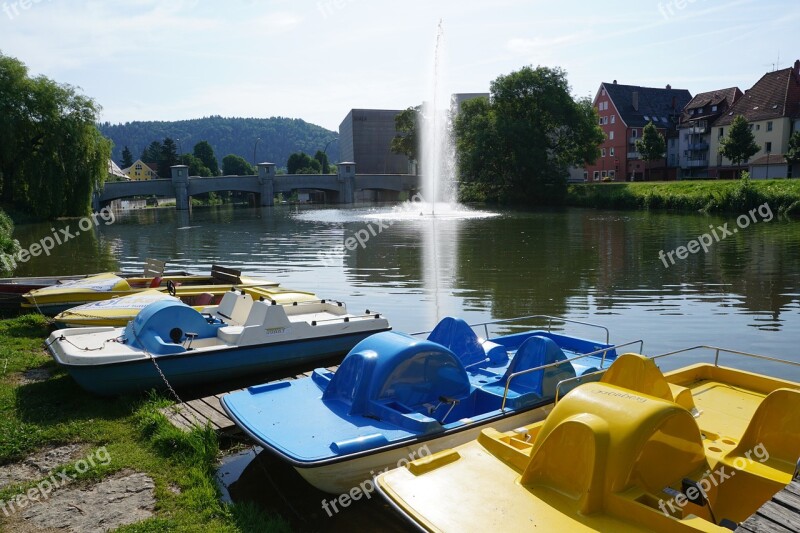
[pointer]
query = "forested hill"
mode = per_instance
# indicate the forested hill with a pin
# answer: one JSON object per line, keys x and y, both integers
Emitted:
{"x": 280, "y": 137}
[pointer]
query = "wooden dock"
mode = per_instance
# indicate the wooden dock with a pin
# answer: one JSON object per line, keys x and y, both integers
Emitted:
{"x": 779, "y": 515}
{"x": 208, "y": 409}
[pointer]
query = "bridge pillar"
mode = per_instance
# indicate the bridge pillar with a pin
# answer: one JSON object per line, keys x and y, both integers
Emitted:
{"x": 347, "y": 182}
{"x": 180, "y": 180}
{"x": 266, "y": 179}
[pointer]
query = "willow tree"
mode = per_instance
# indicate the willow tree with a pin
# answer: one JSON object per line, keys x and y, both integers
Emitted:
{"x": 51, "y": 153}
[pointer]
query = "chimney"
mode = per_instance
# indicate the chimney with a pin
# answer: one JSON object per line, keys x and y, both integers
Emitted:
{"x": 635, "y": 100}
{"x": 615, "y": 82}
{"x": 669, "y": 87}
{"x": 797, "y": 67}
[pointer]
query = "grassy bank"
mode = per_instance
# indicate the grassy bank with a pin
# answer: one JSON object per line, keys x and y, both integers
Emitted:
{"x": 737, "y": 196}
{"x": 55, "y": 411}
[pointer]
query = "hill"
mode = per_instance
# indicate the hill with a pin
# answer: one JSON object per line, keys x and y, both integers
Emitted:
{"x": 280, "y": 137}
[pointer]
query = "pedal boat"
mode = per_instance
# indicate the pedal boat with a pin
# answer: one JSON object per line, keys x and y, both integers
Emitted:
{"x": 54, "y": 299}
{"x": 697, "y": 449}
{"x": 117, "y": 312}
{"x": 238, "y": 338}
{"x": 395, "y": 396}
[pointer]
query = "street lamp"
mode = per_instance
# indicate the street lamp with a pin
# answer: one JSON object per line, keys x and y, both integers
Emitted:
{"x": 254, "y": 150}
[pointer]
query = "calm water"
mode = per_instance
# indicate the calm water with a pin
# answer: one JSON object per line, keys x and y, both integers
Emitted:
{"x": 587, "y": 265}
{"x": 580, "y": 264}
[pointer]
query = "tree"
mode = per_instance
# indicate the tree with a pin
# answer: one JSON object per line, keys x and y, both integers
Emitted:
{"x": 301, "y": 161}
{"x": 407, "y": 140}
{"x": 322, "y": 157}
{"x": 152, "y": 154}
{"x": 740, "y": 143}
{"x": 651, "y": 146}
{"x": 234, "y": 165}
{"x": 127, "y": 158}
{"x": 169, "y": 157}
{"x": 52, "y": 154}
{"x": 518, "y": 146}
{"x": 205, "y": 153}
{"x": 196, "y": 166}
{"x": 793, "y": 149}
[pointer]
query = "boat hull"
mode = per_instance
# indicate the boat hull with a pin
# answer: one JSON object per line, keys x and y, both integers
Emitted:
{"x": 195, "y": 368}
{"x": 341, "y": 477}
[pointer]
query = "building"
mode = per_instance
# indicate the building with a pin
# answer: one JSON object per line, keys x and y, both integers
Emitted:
{"x": 141, "y": 171}
{"x": 694, "y": 130}
{"x": 772, "y": 108}
{"x": 115, "y": 173}
{"x": 624, "y": 111}
{"x": 457, "y": 99}
{"x": 365, "y": 136}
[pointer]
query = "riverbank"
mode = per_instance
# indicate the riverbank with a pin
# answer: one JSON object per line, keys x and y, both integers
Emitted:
{"x": 73, "y": 462}
{"x": 734, "y": 196}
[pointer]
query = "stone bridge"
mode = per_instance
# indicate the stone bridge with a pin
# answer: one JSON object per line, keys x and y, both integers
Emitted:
{"x": 339, "y": 188}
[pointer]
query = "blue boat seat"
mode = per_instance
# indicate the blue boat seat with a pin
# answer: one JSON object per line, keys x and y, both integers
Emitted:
{"x": 532, "y": 387}
{"x": 393, "y": 376}
{"x": 456, "y": 335}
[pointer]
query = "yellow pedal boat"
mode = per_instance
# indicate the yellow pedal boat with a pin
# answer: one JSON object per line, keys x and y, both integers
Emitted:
{"x": 117, "y": 312}
{"x": 696, "y": 449}
{"x": 60, "y": 297}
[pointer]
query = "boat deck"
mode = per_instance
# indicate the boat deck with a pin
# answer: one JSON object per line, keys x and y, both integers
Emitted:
{"x": 208, "y": 409}
{"x": 779, "y": 515}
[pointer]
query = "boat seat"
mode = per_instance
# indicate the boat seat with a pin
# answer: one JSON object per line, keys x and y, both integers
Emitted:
{"x": 530, "y": 388}
{"x": 770, "y": 445}
{"x": 204, "y": 299}
{"x": 235, "y": 307}
{"x": 456, "y": 335}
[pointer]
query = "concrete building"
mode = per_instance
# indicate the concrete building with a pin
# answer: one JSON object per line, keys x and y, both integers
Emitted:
{"x": 365, "y": 136}
{"x": 694, "y": 130}
{"x": 772, "y": 108}
{"x": 457, "y": 99}
{"x": 624, "y": 111}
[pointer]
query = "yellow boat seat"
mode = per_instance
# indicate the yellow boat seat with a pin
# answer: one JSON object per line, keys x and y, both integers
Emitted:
{"x": 639, "y": 373}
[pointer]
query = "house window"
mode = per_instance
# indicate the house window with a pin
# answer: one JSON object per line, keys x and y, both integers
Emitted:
{"x": 769, "y": 126}
{"x": 613, "y": 119}
{"x": 601, "y": 121}
{"x": 603, "y": 152}
{"x": 605, "y": 120}
{"x": 610, "y": 135}
{"x": 138, "y": 166}
{"x": 713, "y": 108}
{"x": 585, "y": 176}
{"x": 604, "y": 174}
{"x": 611, "y": 152}
{"x": 758, "y": 127}
{"x": 722, "y": 132}
{"x": 768, "y": 147}
{"x": 612, "y": 174}
{"x": 634, "y": 133}
{"x": 596, "y": 175}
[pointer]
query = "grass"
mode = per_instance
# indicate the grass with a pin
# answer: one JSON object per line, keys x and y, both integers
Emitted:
{"x": 137, "y": 436}
{"x": 734, "y": 196}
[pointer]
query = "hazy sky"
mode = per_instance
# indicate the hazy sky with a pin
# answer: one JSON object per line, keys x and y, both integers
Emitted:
{"x": 315, "y": 60}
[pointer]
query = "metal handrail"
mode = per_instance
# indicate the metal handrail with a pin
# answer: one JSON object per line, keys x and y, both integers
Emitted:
{"x": 716, "y": 349}
{"x": 604, "y": 351}
{"x": 549, "y": 318}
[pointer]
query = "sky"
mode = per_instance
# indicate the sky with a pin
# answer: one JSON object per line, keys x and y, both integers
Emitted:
{"x": 317, "y": 59}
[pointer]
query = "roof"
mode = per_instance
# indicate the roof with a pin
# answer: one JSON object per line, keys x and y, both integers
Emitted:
{"x": 114, "y": 170}
{"x": 659, "y": 105}
{"x": 709, "y": 99}
{"x": 771, "y": 159}
{"x": 775, "y": 95}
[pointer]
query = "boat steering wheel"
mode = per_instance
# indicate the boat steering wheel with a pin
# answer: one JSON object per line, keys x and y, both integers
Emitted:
{"x": 171, "y": 287}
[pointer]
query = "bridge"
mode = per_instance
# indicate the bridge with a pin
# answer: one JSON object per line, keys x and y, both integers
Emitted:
{"x": 339, "y": 188}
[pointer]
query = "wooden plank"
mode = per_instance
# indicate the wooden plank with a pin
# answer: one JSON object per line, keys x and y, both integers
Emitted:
{"x": 203, "y": 413}
{"x": 780, "y": 515}
{"x": 759, "y": 524}
{"x": 788, "y": 499}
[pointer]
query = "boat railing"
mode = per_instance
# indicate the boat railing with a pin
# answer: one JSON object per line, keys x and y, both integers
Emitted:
{"x": 717, "y": 353}
{"x": 603, "y": 351}
{"x": 550, "y": 320}
{"x": 346, "y": 318}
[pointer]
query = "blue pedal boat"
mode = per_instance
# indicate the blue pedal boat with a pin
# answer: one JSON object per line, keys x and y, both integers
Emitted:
{"x": 395, "y": 398}
{"x": 239, "y": 337}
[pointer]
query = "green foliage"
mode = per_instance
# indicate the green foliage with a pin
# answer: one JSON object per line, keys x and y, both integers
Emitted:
{"x": 407, "y": 141}
{"x": 196, "y": 166}
{"x": 518, "y": 146}
{"x": 127, "y": 158}
{"x": 740, "y": 143}
{"x": 205, "y": 153}
{"x": 169, "y": 157}
{"x": 793, "y": 149}
{"x": 651, "y": 146}
{"x": 322, "y": 157}
{"x": 8, "y": 244}
{"x": 737, "y": 196}
{"x": 51, "y": 152}
{"x": 152, "y": 154}
{"x": 302, "y": 163}
{"x": 279, "y": 136}
{"x": 234, "y": 165}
